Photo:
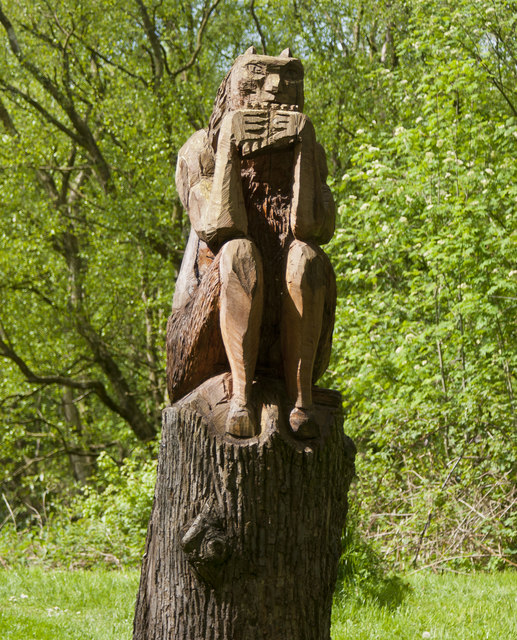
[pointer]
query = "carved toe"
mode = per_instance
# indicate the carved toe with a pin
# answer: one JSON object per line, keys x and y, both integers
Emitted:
{"x": 303, "y": 424}
{"x": 240, "y": 422}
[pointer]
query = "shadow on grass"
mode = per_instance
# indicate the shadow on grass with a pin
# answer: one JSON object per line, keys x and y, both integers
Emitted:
{"x": 363, "y": 575}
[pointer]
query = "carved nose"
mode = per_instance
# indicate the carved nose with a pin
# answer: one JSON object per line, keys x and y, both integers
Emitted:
{"x": 273, "y": 82}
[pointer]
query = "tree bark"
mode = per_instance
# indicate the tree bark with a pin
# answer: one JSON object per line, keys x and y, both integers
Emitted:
{"x": 244, "y": 537}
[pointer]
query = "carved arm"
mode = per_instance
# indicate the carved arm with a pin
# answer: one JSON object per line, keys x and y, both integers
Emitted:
{"x": 216, "y": 205}
{"x": 313, "y": 210}
{"x": 210, "y": 188}
{"x": 226, "y": 215}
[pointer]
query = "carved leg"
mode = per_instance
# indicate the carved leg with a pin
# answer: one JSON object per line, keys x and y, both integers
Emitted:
{"x": 240, "y": 317}
{"x": 306, "y": 286}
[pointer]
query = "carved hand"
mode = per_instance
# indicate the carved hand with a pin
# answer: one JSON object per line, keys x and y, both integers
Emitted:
{"x": 255, "y": 130}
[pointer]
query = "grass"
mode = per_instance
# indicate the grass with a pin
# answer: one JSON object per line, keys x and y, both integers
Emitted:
{"x": 61, "y": 605}
{"x": 97, "y": 605}
{"x": 476, "y": 606}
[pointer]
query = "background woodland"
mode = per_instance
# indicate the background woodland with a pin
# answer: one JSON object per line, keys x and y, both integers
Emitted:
{"x": 415, "y": 102}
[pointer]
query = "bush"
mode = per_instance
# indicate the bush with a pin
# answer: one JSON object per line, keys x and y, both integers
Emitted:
{"x": 104, "y": 525}
{"x": 363, "y": 573}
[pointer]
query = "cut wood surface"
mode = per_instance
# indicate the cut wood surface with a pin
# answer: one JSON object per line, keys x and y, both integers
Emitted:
{"x": 254, "y": 186}
{"x": 254, "y": 468}
{"x": 245, "y": 534}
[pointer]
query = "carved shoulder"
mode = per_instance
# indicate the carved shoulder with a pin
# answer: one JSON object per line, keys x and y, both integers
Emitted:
{"x": 321, "y": 159}
{"x": 195, "y": 163}
{"x": 328, "y": 217}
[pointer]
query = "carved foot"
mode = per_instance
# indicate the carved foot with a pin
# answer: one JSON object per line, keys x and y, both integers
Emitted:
{"x": 240, "y": 421}
{"x": 303, "y": 424}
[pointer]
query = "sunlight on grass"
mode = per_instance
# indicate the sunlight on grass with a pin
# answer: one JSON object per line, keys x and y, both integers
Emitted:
{"x": 60, "y": 605}
{"x": 98, "y": 605}
{"x": 439, "y": 607}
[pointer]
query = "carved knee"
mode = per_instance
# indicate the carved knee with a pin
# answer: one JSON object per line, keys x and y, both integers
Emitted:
{"x": 307, "y": 265}
{"x": 242, "y": 259}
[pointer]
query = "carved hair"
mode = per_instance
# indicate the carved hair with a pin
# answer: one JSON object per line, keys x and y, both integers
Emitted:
{"x": 219, "y": 110}
{"x": 221, "y": 103}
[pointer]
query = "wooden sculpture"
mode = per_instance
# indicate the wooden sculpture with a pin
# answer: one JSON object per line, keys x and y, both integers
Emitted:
{"x": 255, "y": 291}
{"x": 253, "y": 472}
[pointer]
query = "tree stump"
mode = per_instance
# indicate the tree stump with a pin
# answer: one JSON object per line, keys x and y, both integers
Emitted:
{"x": 245, "y": 534}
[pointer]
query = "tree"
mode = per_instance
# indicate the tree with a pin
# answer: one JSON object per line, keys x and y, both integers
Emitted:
{"x": 427, "y": 253}
{"x": 94, "y": 102}
{"x": 415, "y": 104}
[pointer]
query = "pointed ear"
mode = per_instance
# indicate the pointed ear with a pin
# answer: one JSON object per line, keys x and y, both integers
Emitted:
{"x": 286, "y": 53}
{"x": 250, "y": 51}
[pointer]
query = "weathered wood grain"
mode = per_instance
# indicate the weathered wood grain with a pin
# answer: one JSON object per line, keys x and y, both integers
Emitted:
{"x": 244, "y": 538}
{"x": 254, "y": 467}
{"x": 255, "y": 179}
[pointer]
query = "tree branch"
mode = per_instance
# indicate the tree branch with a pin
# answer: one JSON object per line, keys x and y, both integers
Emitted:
{"x": 101, "y": 56}
{"x": 257, "y": 24}
{"x": 83, "y": 136}
{"x": 128, "y": 407}
{"x": 11, "y": 34}
{"x": 199, "y": 40}
{"x": 152, "y": 36}
{"x": 143, "y": 430}
{"x": 7, "y": 351}
{"x": 43, "y": 80}
{"x": 40, "y": 109}
{"x": 8, "y": 123}
{"x": 498, "y": 83}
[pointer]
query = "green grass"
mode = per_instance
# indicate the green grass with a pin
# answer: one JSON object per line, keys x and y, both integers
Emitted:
{"x": 67, "y": 605}
{"x": 97, "y": 605}
{"x": 477, "y": 606}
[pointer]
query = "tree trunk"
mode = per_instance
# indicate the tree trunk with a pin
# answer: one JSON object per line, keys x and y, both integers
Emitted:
{"x": 244, "y": 537}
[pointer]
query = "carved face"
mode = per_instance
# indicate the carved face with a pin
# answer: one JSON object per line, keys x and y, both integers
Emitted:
{"x": 258, "y": 80}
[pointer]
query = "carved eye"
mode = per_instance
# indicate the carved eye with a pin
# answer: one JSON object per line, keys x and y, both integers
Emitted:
{"x": 256, "y": 69}
{"x": 291, "y": 75}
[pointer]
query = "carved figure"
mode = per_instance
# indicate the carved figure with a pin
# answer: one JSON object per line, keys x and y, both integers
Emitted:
{"x": 255, "y": 291}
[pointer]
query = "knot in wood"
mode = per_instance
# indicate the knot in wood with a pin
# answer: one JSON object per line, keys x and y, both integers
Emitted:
{"x": 206, "y": 544}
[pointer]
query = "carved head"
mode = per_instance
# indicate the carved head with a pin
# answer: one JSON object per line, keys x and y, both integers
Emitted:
{"x": 256, "y": 81}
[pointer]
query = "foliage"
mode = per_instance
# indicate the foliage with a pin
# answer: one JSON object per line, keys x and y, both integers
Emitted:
{"x": 95, "y": 101}
{"x": 362, "y": 574}
{"x": 104, "y": 526}
{"x": 416, "y": 105}
{"x": 425, "y": 255}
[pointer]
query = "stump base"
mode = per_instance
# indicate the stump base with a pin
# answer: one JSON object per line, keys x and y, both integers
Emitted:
{"x": 245, "y": 534}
